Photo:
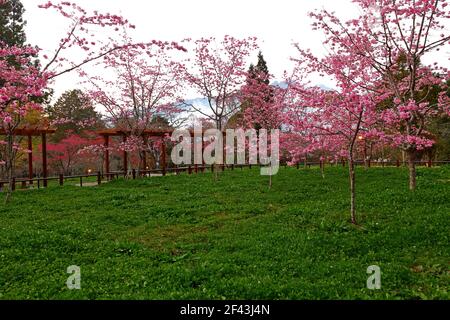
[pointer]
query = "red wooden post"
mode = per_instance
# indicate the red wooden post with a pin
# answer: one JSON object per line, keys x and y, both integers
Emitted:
{"x": 30, "y": 158}
{"x": 196, "y": 168}
{"x": 163, "y": 157}
{"x": 99, "y": 178}
{"x": 134, "y": 174}
{"x": 144, "y": 154}
{"x": 13, "y": 187}
{"x": 189, "y": 170}
{"x": 398, "y": 163}
{"x": 125, "y": 158}
{"x": 44, "y": 159}
{"x": 61, "y": 180}
{"x": 106, "y": 137}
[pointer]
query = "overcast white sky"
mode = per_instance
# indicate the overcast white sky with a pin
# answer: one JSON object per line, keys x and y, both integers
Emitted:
{"x": 276, "y": 23}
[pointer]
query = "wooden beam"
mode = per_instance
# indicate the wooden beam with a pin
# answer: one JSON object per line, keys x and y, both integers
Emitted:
{"x": 36, "y": 132}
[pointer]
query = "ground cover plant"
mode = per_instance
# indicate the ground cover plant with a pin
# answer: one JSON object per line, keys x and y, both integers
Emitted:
{"x": 189, "y": 237}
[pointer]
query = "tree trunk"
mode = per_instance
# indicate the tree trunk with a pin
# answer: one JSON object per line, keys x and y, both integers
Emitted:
{"x": 270, "y": 178}
{"x": 9, "y": 167}
{"x": 351, "y": 169}
{"x": 322, "y": 169}
{"x": 412, "y": 169}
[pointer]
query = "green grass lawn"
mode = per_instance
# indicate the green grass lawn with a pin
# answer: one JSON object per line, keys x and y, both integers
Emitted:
{"x": 188, "y": 237}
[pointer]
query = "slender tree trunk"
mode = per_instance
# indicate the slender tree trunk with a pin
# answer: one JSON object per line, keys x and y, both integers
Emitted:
{"x": 351, "y": 169}
{"x": 216, "y": 169}
{"x": 412, "y": 169}
{"x": 9, "y": 166}
{"x": 322, "y": 169}
{"x": 270, "y": 178}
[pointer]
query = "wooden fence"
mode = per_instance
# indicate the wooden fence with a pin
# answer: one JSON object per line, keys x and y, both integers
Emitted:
{"x": 24, "y": 183}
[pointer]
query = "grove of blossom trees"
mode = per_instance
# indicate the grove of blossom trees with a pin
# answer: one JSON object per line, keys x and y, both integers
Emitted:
{"x": 145, "y": 83}
{"x": 382, "y": 89}
{"x": 386, "y": 92}
{"x": 217, "y": 73}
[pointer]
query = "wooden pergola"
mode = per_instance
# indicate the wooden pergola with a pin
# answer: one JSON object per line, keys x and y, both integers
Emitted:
{"x": 149, "y": 133}
{"x": 107, "y": 133}
{"x": 30, "y": 133}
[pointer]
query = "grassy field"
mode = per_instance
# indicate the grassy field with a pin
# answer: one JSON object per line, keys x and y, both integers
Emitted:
{"x": 188, "y": 237}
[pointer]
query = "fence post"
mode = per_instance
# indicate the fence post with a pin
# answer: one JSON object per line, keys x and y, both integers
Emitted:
{"x": 99, "y": 178}
{"x": 196, "y": 168}
{"x": 61, "y": 179}
{"x": 13, "y": 187}
{"x": 133, "y": 172}
{"x": 189, "y": 170}
{"x": 81, "y": 181}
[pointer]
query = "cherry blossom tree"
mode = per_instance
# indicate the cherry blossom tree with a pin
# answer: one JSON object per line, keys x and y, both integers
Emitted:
{"x": 217, "y": 73}
{"x": 388, "y": 42}
{"x": 262, "y": 103}
{"x": 23, "y": 80}
{"x": 95, "y": 153}
{"x": 83, "y": 38}
{"x": 22, "y": 84}
{"x": 145, "y": 82}
{"x": 331, "y": 121}
{"x": 65, "y": 155}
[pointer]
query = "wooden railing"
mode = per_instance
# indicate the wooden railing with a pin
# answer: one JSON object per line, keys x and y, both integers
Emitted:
{"x": 194, "y": 169}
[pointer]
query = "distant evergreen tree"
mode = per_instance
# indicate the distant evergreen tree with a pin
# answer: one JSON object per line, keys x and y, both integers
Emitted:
{"x": 260, "y": 72}
{"x": 78, "y": 113}
{"x": 12, "y": 23}
{"x": 262, "y": 69}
